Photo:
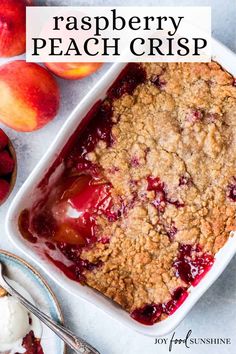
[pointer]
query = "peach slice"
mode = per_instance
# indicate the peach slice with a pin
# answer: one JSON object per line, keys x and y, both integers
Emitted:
{"x": 12, "y": 27}
{"x": 29, "y": 96}
{"x": 73, "y": 71}
{"x": 66, "y": 233}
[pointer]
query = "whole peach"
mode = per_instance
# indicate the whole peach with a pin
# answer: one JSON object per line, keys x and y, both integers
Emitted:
{"x": 29, "y": 96}
{"x": 12, "y": 27}
{"x": 73, "y": 71}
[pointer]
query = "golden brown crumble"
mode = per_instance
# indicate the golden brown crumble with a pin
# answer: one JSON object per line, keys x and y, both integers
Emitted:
{"x": 183, "y": 130}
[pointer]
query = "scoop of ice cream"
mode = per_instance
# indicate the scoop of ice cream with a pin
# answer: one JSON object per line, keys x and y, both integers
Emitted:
{"x": 14, "y": 322}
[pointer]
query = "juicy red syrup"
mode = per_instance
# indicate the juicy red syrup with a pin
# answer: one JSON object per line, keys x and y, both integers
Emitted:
{"x": 232, "y": 190}
{"x": 161, "y": 195}
{"x": 131, "y": 76}
{"x": 151, "y": 313}
{"x": 31, "y": 344}
{"x": 158, "y": 82}
{"x": 74, "y": 271}
{"x": 99, "y": 128}
{"x": 192, "y": 264}
{"x": 94, "y": 200}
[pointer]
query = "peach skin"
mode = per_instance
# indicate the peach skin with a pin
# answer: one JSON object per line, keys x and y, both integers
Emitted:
{"x": 29, "y": 96}
{"x": 12, "y": 27}
{"x": 73, "y": 71}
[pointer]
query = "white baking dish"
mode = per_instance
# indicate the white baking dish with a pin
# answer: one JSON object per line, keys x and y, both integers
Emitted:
{"x": 27, "y": 195}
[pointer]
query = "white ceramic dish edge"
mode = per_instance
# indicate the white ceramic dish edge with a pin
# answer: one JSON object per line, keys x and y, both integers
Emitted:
{"x": 26, "y": 195}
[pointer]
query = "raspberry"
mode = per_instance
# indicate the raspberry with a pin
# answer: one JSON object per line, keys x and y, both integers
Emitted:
{"x": 4, "y": 189}
{"x": 3, "y": 140}
{"x": 6, "y": 163}
{"x": 192, "y": 264}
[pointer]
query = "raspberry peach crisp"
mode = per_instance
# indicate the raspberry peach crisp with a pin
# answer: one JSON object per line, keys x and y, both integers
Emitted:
{"x": 147, "y": 196}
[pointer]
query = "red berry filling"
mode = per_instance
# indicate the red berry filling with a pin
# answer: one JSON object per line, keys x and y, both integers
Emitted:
{"x": 99, "y": 128}
{"x": 158, "y": 82}
{"x": 104, "y": 240}
{"x": 132, "y": 76}
{"x": 76, "y": 270}
{"x": 161, "y": 195}
{"x": 85, "y": 166}
{"x": 150, "y": 314}
{"x": 192, "y": 264}
{"x": 178, "y": 297}
{"x": 147, "y": 315}
{"x": 31, "y": 344}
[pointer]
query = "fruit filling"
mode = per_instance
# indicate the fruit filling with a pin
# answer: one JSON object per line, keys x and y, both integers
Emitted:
{"x": 145, "y": 198}
{"x": 31, "y": 344}
{"x": 69, "y": 220}
{"x": 150, "y": 314}
{"x": 192, "y": 264}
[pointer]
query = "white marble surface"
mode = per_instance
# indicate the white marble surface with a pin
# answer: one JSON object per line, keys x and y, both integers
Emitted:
{"x": 214, "y": 315}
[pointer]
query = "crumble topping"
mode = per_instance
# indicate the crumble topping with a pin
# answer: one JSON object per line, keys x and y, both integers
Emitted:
{"x": 184, "y": 134}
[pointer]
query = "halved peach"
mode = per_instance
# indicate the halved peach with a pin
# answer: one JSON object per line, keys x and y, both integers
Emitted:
{"x": 66, "y": 233}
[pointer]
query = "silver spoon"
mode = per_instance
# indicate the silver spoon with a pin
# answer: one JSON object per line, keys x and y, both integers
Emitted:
{"x": 77, "y": 344}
